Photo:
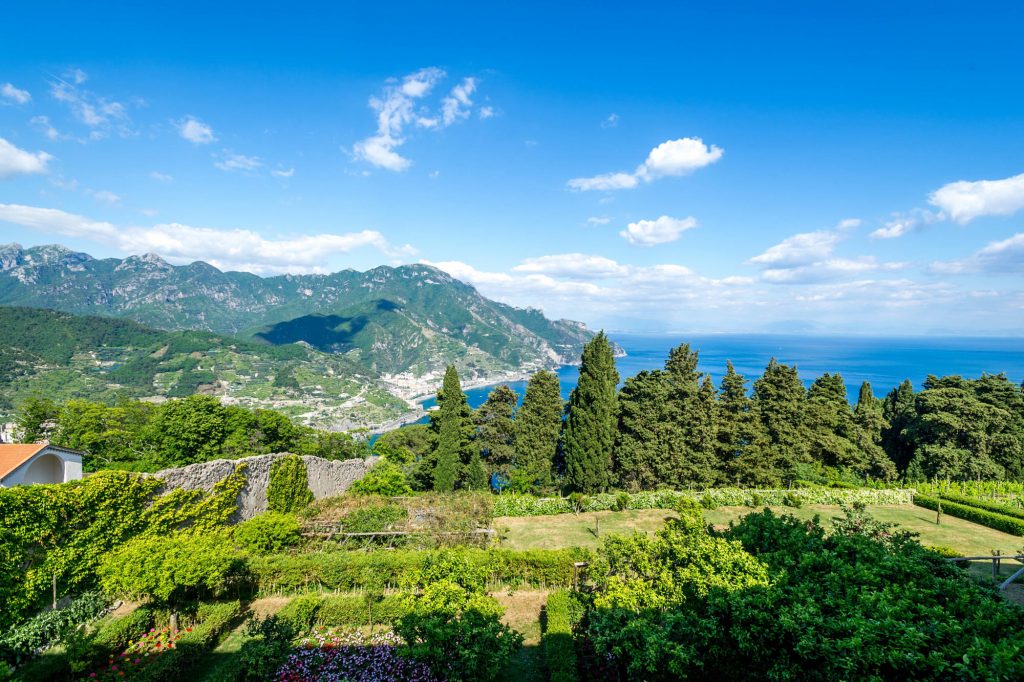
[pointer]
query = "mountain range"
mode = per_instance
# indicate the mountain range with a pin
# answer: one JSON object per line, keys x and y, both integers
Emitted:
{"x": 397, "y": 327}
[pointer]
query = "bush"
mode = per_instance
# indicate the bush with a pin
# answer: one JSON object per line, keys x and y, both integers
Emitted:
{"x": 557, "y": 641}
{"x": 350, "y": 571}
{"x": 792, "y": 500}
{"x": 385, "y": 479}
{"x": 949, "y": 553}
{"x": 288, "y": 490}
{"x": 269, "y": 643}
{"x": 621, "y": 502}
{"x": 266, "y": 533}
{"x": 300, "y": 612}
{"x": 49, "y": 627}
{"x": 375, "y": 518}
{"x": 1007, "y": 524}
{"x": 1003, "y": 509}
{"x": 361, "y": 609}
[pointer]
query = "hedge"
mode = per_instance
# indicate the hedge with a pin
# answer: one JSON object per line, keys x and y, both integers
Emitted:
{"x": 1007, "y": 524}
{"x": 985, "y": 504}
{"x": 514, "y": 504}
{"x": 557, "y": 642}
{"x": 212, "y": 621}
{"x": 351, "y": 571}
{"x": 343, "y": 609}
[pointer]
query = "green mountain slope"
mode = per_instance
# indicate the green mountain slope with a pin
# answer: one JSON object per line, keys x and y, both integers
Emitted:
{"x": 407, "y": 321}
{"x": 61, "y": 356}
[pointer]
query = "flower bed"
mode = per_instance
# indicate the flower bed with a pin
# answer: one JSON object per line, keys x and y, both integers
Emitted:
{"x": 346, "y": 654}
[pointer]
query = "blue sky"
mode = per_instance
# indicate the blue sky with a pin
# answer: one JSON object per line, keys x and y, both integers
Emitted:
{"x": 662, "y": 167}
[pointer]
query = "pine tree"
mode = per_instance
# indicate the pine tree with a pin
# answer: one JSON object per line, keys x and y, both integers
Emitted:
{"x": 691, "y": 410}
{"x": 537, "y": 426}
{"x": 779, "y": 398}
{"x": 898, "y": 412}
{"x": 451, "y": 421}
{"x": 645, "y": 433}
{"x": 589, "y": 431}
{"x": 495, "y": 430}
{"x": 742, "y": 445}
{"x": 867, "y": 416}
{"x": 829, "y": 423}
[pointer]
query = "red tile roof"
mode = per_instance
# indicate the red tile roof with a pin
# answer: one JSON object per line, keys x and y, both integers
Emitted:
{"x": 13, "y": 456}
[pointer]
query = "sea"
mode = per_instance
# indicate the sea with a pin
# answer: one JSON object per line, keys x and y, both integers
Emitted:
{"x": 884, "y": 362}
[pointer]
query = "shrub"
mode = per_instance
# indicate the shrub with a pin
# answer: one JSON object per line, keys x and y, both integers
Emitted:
{"x": 621, "y": 502}
{"x": 300, "y": 612}
{"x": 949, "y": 553}
{"x": 557, "y": 641}
{"x": 373, "y": 518}
{"x": 1007, "y": 524}
{"x": 792, "y": 500}
{"x": 172, "y": 569}
{"x": 266, "y": 533}
{"x": 577, "y": 502}
{"x": 269, "y": 643}
{"x": 288, "y": 490}
{"x": 1003, "y": 509}
{"x": 361, "y": 609}
{"x": 385, "y": 479}
{"x": 49, "y": 627}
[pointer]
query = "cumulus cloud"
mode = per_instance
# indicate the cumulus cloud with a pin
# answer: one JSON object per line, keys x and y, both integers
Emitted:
{"x": 670, "y": 158}
{"x": 14, "y": 95}
{"x": 800, "y": 249}
{"x": 195, "y": 131}
{"x": 659, "y": 231}
{"x": 15, "y": 161}
{"x": 399, "y": 107}
{"x": 487, "y": 112}
{"x": 904, "y": 223}
{"x": 229, "y": 161}
{"x": 963, "y": 201}
{"x": 233, "y": 249}
{"x": 1006, "y": 256}
{"x": 99, "y": 114}
{"x": 572, "y": 265}
{"x": 828, "y": 270}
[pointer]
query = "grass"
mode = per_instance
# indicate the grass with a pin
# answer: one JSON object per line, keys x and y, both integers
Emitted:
{"x": 522, "y": 612}
{"x": 570, "y": 530}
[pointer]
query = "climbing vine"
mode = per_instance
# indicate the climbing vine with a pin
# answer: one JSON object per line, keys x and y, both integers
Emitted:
{"x": 63, "y": 531}
{"x": 288, "y": 490}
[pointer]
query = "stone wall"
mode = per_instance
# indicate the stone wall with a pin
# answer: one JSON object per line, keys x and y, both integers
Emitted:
{"x": 326, "y": 478}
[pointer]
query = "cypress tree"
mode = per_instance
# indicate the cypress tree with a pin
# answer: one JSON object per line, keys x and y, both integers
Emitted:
{"x": 537, "y": 426}
{"x": 691, "y": 411}
{"x": 898, "y": 413}
{"x": 831, "y": 432}
{"x": 644, "y": 440}
{"x": 867, "y": 416}
{"x": 451, "y": 421}
{"x": 495, "y": 431}
{"x": 742, "y": 445}
{"x": 779, "y": 400}
{"x": 589, "y": 431}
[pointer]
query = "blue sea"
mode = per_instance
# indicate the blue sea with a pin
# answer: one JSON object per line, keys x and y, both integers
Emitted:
{"x": 885, "y": 362}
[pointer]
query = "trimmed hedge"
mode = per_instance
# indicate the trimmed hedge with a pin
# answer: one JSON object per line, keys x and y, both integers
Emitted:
{"x": 514, "y": 504}
{"x": 352, "y": 571}
{"x": 984, "y": 504}
{"x": 557, "y": 641}
{"x": 212, "y": 621}
{"x": 343, "y": 609}
{"x": 982, "y": 517}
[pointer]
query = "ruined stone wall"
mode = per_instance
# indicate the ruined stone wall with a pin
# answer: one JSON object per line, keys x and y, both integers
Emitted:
{"x": 326, "y": 478}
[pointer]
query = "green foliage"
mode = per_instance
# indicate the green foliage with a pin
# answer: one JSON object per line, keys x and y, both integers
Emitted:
{"x": 557, "y": 640}
{"x": 495, "y": 433}
{"x": 374, "y": 518}
{"x": 50, "y": 627}
{"x": 407, "y": 444}
{"x": 621, "y": 502}
{"x": 361, "y": 609}
{"x": 1004, "y": 509}
{"x": 514, "y": 504}
{"x": 998, "y": 521}
{"x": 385, "y": 479}
{"x": 452, "y": 625}
{"x": 34, "y": 419}
{"x": 537, "y": 426}
{"x": 288, "y": 490}
{"x": 172, "y": 569}
{"x": 589, "y": 433}
{"x": 355, "y": 570}
{"x": 779, "y": 401}
{"x": 453, "y": 428}
{"x": 269, "y": 643}
{"x": 267, "y": 533}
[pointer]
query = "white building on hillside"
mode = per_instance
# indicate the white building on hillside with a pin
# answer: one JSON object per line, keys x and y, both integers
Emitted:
{"x": 38, "y": 463}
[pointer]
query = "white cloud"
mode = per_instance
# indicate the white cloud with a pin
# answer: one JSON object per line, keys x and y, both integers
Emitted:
{"x": 457, "y": 105}
{"x": 42, "y": 124}
{"x": 234, "y": 249}
{"x": 487, "y": 112}
{"x": 611, "y": 122}
{"x": 283, "y": 173}
{"x": 195, "y": 131}
{"x": 15, "y": 161}
{"x": 104, "y": 196}
{"x": 828, "y": 270}
{"x": 964, "y": 201}
{"x": 161, "y": 177}
{"x": 397, "y": 110}
{"x": 98, "y": 113}
{"x": 609, "y": 181}
{"x": 572, "y": 265}
{"x": 659, "y": 231}
{"x": 230, "y": 161}
{"x": 15, "y": 95}
{"x": 904, "y": 223}
{"x": 848, "y": 224}
{"x": 1005, "y": 256}
{"x": 598, "y": 220}
{"x": 800, "y": 249}
{"x": 670, "y": 158}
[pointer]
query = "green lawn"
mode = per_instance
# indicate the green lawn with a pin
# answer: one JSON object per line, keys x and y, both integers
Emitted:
{"x": 585, "y": 530}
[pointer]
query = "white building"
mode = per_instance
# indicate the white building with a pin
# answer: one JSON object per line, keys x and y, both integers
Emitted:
{"x": 38, "y": 463}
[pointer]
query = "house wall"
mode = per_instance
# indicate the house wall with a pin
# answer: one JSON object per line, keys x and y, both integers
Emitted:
{"x": 48, "y": 466}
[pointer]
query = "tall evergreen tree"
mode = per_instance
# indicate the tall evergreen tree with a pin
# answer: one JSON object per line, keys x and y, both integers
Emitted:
{"x": 831, "y": 433}
{"x": 589, "y": 431}
{"x": 897, "y": 412}
{"x": 454, "y": 428}
{"x": 779, "y": 400}
{"x": 647, "y": 437}
{"x": 495, "y": 430}
{"x": 742, "y": 445}
{"x": 867, "y": 416}
{"x": 691, "y": 409}
{"x": 538, "y": 424}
